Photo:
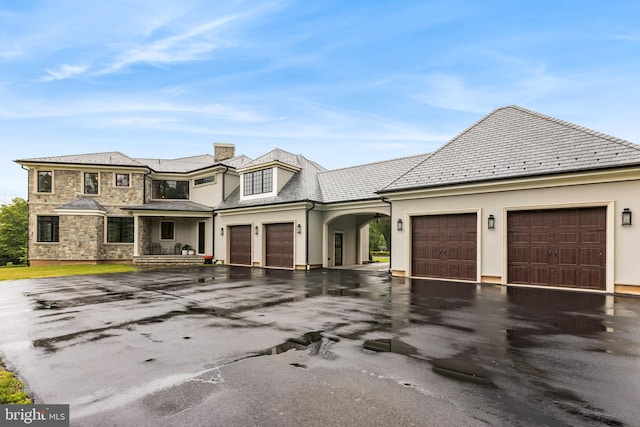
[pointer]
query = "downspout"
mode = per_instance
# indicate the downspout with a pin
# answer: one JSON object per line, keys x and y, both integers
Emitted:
{"x": 313, "y": 205}
{"x": 385, "y": 200}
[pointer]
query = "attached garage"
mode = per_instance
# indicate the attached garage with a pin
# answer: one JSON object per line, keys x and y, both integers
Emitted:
{"x": 279, "y": 245}
{"x": 559, "y": 247}
{"x": 240, "y": 244}
{"x": 444, "y": 246}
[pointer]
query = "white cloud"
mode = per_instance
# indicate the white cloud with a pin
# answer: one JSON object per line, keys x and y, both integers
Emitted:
{"x": 64, "y": 72}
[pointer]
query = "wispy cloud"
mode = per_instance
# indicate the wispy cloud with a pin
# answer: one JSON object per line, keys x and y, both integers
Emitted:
{"x": 64, "y": 72}
{"x": 187, "y": 46}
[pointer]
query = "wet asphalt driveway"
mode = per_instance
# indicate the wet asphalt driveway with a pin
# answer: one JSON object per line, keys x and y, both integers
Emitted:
{"x": 238, "y": 346}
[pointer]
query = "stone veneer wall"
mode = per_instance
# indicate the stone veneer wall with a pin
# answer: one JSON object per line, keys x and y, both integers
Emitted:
{"x": 82, "y": 237}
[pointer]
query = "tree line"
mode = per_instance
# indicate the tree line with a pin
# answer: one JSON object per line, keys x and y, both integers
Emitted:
{"x": 14, "y": 232}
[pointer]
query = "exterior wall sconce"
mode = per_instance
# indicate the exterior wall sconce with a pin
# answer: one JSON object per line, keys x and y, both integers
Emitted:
{"x": 399, "y": 224}
{"x": 222, "y": 231}
{"x": 257, "y": 230}
{"x": 491, "y": 222}
{"x": 626, "y": 216}
{"x": 299, "y": 228}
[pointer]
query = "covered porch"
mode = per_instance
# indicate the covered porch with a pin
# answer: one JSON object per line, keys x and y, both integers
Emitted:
{"x": 176, "y": 232}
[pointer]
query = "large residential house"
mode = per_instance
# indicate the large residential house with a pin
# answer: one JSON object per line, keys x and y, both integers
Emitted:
{"x": 518, "y": 198}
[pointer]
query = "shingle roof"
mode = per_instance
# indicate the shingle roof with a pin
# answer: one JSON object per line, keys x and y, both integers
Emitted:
{"x": 276, "y": 155}
{"x": 362, "y": 182}
{"x": 174, "y": 205}
{"x": 115, "y": 158}
{"x": 111, "y": 158}
{"x": 302, "y": 186}
{"x": 515, "y": 142}
{"x": 82, "y": 204}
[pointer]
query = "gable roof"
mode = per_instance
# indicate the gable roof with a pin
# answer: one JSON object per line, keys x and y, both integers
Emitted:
{"x": 515, "y": 142}
{"x": 276, "y": 155}
{"x": 303, "y": 186}
{"x": 362, "y": 182}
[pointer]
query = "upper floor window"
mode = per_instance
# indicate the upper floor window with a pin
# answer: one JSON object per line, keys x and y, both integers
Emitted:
{"x": 205, "y": 180}
{"x": 91, "y": 183}
{"x": 168, "y": 189}
{"x": 45, "y": 181}
{"x": 258, "y": 182}
{"x": 120, "y": 230}
{"x": 123, "y": 180}
{"x": 48, "y": 229}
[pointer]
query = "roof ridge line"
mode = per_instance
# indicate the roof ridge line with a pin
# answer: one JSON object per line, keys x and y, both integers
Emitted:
{"x": 377, "y": 162}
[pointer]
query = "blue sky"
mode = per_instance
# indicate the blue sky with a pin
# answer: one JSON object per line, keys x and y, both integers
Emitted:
{"x": 342, "y": 82}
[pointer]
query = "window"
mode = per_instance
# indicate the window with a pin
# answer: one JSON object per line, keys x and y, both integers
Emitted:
{"x": 205, "y": 180}
{"x": 48, "y": 229}
{"x": 119, "y": 230}
{"x": 258, "y": 182}
{"x": 45, "y": 181}
{"x": 91, "y": 183}
{"x": 167, "y": 189}
{"x": 167, "y": 230}
{"x": 123, "y": 180}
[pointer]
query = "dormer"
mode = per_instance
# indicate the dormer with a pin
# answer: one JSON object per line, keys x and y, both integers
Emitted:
{"x": 267, "y": 175}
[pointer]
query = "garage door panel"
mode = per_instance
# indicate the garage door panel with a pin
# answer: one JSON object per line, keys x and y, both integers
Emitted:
{"x": 279, "y": 245}
{"x": 240, "y": 244}
{"x": 567, "y": 247}
{"x": 444, "y": 246}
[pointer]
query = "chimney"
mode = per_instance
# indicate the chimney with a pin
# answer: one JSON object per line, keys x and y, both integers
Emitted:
{"x": 222, "y": 151}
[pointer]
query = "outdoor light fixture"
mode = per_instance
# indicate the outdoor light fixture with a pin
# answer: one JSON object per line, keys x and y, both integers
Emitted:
{"x": 299, "y": 227}
{"x": 257, "y": 230}
{"x": 222, "y": 231}
{"x": 626, "y": 216}
{"x": 491, "y": 222}
{"x": 399, "y": 225}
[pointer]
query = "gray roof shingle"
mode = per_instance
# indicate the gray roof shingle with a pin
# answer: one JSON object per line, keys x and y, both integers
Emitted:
{"x": 82, "y": 204}
{"x": 276, "y": 155}
{"x": 515, "y": 142}
{"x": 111, "y": 158}
{"x": 362, "y": 182}
{"x": 174, "y": 205}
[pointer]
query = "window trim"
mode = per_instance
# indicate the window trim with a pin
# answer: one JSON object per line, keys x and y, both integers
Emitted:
{"x": 38, "y": 181}
{"x": 106, "y": 233}
{"x": 188, "y": 182}
{"x": 115, "y": 179}
{"x": 173, "y": 238}
{"x": 84, "y": 187}
{"x": 55, "y": 230}
{"x": 199, "y": 184}
{"x": 252, "y": 188}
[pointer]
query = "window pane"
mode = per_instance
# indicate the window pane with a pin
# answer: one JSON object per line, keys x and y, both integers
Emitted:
{"x": 248, "y": 184}
{"x": 120, "y": 230}
{"x": 90, "y": 183}
{"x": 169, "y": 189}
{"x": 48, "y": 229}
{"x": 166, "y": 230}
{"x": 122, "y": 179}
{"x": 205, "y": 180}
{"x": 44, "y": 181}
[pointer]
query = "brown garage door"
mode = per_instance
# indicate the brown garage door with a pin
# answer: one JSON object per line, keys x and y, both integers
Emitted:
{"x": 240, "y": 244}
{"x": 559, "y": 247}
{"x": 444, "y": 246}
{"x": 279, "y": 245}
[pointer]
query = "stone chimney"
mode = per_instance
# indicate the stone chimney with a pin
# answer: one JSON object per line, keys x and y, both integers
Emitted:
{"x": 222, "y": 151}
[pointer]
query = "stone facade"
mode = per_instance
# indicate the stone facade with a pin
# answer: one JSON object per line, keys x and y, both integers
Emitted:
{"x": 82, "y": 235}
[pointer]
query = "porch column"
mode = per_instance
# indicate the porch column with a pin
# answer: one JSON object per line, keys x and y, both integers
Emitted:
{"x": 136, "y": 234}
{"x": 325, "y": 245}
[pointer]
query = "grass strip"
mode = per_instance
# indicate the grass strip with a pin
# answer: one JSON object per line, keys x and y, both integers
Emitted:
{"x": 18, "y": 273}
{"x": 12, "y": 389}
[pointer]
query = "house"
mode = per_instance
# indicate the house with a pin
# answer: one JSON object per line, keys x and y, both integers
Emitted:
{"x": 518, "y": 198}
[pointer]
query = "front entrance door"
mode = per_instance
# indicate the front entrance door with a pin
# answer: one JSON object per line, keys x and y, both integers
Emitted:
{"x": 201, "y": 237}
{"x": 337, "y": 254}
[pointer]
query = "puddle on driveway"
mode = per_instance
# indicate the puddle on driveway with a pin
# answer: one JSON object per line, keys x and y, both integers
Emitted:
{"x": 462, "y": 370}
{"x": 392, "y": 345}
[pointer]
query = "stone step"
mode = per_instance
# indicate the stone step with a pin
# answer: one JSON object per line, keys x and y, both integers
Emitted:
{"x": 168, "y": 260}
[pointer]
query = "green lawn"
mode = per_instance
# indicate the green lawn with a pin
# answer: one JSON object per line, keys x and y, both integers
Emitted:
{"x": 380, "y": 258}
{"x": 11, "y": 389}
{"x": 17, "y": 273}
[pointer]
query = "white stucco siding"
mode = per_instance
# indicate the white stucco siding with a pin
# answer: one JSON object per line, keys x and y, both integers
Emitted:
{"x": 259, "y": 219}
{"x": 209, "y": 194}
{"x": 315, "y": 238}
{"x": 623, "y": 243}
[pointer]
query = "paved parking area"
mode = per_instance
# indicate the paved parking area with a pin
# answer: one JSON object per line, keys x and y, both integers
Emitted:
{"x": 238, "y": 346}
